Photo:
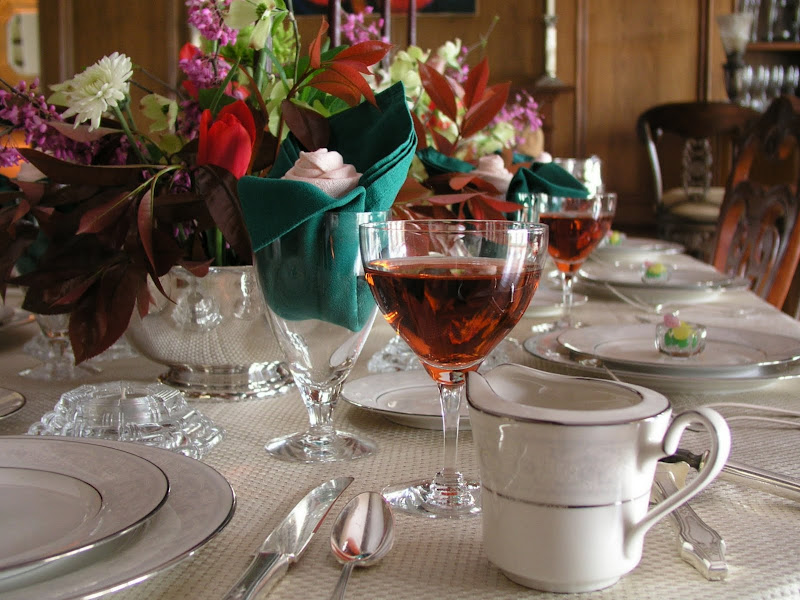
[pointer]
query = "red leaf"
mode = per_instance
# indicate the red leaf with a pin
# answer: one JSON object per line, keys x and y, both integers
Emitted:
{"x": 366, "y": 53}
{"x": 419, "y": 129}
{"x": 145, "y": 223}
{"x": 222, "y": 201}
{"x": 438, "y": 88}
{"x": 442, "y": 144}
{"x": 475, "y": 85}
{"x": 101, "y": 217}
{"x": 501, "y": 205}
{"x": 445, "y": 199}
{"x": 458, "y": 182}
{"x": 411, "y": 192}
{"x": 315, "y": 47}
{"x": 352, "y": 64}
{"x": 311, "y": 128}
{"x": 482, "y": 113}
{"x": 335, "y": 84}
{"x": 356, "y": 78}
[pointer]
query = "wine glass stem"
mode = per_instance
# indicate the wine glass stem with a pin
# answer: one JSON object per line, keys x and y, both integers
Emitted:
{"x": 450, "y": 395}
{"x": 566, "y": 296}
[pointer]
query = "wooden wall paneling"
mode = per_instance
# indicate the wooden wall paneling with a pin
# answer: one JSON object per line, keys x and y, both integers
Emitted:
{"x": 76, "y": 34}
{"x": 639, "y": 54}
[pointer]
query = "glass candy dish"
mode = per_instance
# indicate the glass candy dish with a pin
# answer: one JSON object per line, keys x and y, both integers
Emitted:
{"x": 149, "y": 413}
{"x": 680, "y": 339}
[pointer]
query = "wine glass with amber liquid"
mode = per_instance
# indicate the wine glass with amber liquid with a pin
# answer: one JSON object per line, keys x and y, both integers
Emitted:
{"x": 452, "y": 289}
{"x": 576, "y": 226}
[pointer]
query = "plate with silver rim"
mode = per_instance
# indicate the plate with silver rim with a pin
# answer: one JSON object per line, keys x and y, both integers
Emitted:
{"x": 638, "y": 248}
{"x": 686, "y": 283}
{"x": 409, "y": 398}
{"x": 199, "y": 505}
{"x": 59, "y": 500}
{"x": 728, "y": 352}
{"x": 554, "y": 357}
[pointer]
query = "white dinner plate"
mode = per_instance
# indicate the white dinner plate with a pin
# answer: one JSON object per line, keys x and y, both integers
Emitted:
{"x": 199, "y": 505}
{"x": 58, "y": 500}
{"x": 547, "y": 302}
{"x": 637, "y": 248}
{"x": 728, "y": 352}
{"x": 408, "y": 398}
{"x": 685, "y": 284}
{"x": 555, "y": 357}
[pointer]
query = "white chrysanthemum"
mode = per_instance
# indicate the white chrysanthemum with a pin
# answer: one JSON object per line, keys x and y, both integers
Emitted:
{"x": 100, "y": 87}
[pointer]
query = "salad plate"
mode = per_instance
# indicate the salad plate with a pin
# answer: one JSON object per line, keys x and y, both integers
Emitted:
{"x": 408, "y": 398}
{"x": 59, "y": 500}
{"x": 555, "y": 357}
{"x": 728, "y": 352}
{"x": 199, "y": 505}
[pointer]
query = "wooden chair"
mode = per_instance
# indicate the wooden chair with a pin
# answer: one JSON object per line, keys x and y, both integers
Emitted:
{"x": 690, "y": 146}
{"x": 758, "y": 234}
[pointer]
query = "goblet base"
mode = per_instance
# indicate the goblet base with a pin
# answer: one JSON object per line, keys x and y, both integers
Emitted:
{"x": 309, "y": 447}
{"x": 424, "y": 498}
{"x": 59, "y": 370}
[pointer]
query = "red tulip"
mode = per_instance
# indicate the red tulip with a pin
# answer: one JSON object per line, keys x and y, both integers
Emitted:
{"x": 227, "y": 141}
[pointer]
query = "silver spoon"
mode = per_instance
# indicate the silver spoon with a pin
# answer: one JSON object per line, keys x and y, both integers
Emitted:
{"x": 362, "y": 534}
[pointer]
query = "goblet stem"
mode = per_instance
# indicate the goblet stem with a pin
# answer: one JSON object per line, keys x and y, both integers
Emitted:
{"x": 319, "y": 404}
{"x": 567, "y": 280}
{"x": 450, "y": 398}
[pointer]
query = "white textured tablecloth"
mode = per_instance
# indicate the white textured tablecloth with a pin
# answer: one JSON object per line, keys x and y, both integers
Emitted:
{"x": 445, "y": 559}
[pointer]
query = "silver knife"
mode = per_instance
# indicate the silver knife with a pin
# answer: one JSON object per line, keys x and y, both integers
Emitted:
{"x": 700, "y": 545}
{"x": 766, "y": 481}
{"x": 288, "y": 540}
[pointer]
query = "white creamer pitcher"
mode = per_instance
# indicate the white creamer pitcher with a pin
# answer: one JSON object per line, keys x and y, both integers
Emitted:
{"x": 567, "y": 464}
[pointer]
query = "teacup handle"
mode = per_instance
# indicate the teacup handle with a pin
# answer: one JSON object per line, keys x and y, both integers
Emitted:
{"x": 718, "y": 454}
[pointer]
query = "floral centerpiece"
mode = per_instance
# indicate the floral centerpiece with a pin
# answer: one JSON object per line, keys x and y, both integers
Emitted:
{"x": 106, "y": 202}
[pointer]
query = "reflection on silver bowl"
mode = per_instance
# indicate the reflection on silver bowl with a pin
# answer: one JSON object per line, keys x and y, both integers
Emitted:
{"x": 212, "y": 335}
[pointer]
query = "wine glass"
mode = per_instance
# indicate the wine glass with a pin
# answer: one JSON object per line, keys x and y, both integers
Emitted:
{"x": 576, "y": 227}
{"x": 321, "y": 312}
{"x": 53, "y": 348}
{"x": 453, "y": 290}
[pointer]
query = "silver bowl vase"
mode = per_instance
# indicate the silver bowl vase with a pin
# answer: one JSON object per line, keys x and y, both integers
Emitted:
{"x": 213, "y": 336}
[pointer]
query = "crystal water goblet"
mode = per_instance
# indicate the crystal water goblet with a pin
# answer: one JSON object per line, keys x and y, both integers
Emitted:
{"x": 321, "y": 311}
{"x": 452, "y": 290}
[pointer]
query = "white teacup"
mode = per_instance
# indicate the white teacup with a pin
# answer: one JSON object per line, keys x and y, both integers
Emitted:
{"x": 567, "y": 464}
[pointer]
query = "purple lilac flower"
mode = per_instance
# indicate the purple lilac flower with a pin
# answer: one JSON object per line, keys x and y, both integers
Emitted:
{"x": 355, "y": 30}
{"x": 523, "y": 114}
{"x": 206, "y": 16}
{"x": 205, "y": 71}
{"x": 188, "y": 122}
{"x": 26, "y": 110}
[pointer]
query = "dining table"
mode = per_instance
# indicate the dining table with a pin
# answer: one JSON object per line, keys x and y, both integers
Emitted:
{"x": 442, "y": 558}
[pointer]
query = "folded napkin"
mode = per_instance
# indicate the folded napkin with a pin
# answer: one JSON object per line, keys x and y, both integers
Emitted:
{"x": 437, "y": 163}
{"x": 544, "y": 178}
{"x": 379, "y": 143}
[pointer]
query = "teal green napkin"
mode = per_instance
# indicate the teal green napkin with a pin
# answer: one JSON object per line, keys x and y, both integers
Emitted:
{"x": 437, "y": 163}
{"x": 379, "y": 143}
{"x": 544, "y": 178}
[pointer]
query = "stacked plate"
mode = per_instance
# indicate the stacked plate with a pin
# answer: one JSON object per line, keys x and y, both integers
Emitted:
{"x": 637, "y": 249}
{"x": 733, "y": 359}
{"x": 699, "y": 283}
{"x": 83, "y": 517}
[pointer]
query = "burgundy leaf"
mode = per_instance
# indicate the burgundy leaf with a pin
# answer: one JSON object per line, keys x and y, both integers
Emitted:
{"x": 419, "y": 129}
{"x": 311, "y": 128}
{"x": 482, "y": 113}
{"x": 475, "y": 85}
{"x": 356, "y": 78}
{"x": 219, "y": 193}
{"x": 101, "y": 217}
{"x": 442, "y": 144}
{"x": 439, "y": 90}
{"x": 144, "y": 221}
{"x": 60, "y": 171}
